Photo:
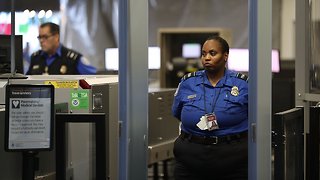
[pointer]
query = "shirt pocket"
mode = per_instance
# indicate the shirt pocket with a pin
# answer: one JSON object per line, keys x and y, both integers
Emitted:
{"x": 192, "y": 102}
{"x": 234, "y": 104}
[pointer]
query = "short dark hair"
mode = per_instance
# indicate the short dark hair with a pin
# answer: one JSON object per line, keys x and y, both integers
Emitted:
{"x": 224, "y": 44}
{"x": 54, "y": 28}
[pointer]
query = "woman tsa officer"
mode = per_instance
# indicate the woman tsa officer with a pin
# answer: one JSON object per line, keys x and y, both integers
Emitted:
{"x": 212, "y": 105}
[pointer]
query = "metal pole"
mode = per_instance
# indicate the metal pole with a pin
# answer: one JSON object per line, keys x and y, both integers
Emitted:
{"x": 302, "y": 64}
{"x": 29, "y": 164}
{"x": 260, "y": 38}
{"x": 133, "y": 89}
{"x": 13, "y": 65}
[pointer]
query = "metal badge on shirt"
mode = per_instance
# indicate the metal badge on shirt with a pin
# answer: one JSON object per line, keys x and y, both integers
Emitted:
{"x": 234, "y": 91}
{"x": 35, "y": 67}
{"x": 63, "y": 69}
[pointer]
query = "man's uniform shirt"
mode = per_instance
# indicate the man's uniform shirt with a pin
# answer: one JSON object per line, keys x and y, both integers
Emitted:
{"x": 64, "y": 61}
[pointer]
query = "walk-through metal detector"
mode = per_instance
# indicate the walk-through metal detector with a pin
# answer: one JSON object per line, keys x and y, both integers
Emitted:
{"x": 307, "y": 58}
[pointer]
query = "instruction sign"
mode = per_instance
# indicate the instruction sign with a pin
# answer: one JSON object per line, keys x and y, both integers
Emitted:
{"x": 64, "y": 84}
{"x": 29, "y": 117}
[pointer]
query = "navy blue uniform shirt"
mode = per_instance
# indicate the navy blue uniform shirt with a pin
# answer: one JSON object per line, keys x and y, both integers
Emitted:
{"x": 73, "y": 62}
{"x": 231, "y": 109}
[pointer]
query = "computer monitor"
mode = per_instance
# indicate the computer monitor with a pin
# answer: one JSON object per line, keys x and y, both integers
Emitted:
{"x": 112, "y": 58}
{"x": 154, "y": 61}
{"x": 191, "y": 50}
{"x": 5, "y": 54}
{"x": 239, "y": 60}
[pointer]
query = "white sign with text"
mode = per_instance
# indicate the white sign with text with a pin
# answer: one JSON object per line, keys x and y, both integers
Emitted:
{"x": 29, "y": 117}
{"x": 29, "y": 125}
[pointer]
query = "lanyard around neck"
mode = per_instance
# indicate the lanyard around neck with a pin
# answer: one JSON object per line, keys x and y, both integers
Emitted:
{"x": 215, "y": 99}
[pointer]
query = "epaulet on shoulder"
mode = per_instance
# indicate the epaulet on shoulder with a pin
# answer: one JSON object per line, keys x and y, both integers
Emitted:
{"x": 189, "y": 75}
{"x": 36, "y": 53}
{"x": 72, "y": 54}
{"x": 242, "y": 76}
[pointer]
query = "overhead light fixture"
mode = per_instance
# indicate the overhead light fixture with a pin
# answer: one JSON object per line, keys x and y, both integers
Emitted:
{"x": 32, "y": 14}
{"x": 26, "y": 12}
{"x": 41, "y": 14}
{"x": 48, "y": 14}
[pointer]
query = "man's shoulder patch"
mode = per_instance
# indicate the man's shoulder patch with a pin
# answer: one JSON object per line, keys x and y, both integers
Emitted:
{"x": 242, "y": 76}
{"x": 36, "y": 53}
{"x": 72, "y": 54}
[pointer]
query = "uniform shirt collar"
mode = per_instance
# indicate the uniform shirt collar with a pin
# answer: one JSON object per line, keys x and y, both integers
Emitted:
{"x": 202, "y": 79}
{"x": 58, "y": 52}
{"x": 222, "y": 81}
{"x": 229, "y": 81}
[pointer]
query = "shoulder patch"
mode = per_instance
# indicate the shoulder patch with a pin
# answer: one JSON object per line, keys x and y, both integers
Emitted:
{"x": 36, "y": 53}
{"x": 189, "y": 75}
{"x": 72, "y": 54}
{"x": 242, "y": 76}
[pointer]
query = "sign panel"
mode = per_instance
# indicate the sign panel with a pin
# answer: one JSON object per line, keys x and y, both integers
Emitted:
{"x": 29, "y": 117}
{"x": 64, "y": 84}
{"x": 79, "y": 99}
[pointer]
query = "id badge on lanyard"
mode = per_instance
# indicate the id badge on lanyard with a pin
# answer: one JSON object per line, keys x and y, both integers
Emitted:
{"x": 208, "y": 122}
{"x": 211, "y": 120}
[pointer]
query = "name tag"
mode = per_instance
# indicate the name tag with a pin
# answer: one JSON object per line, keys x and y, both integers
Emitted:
{"x": 192, "y": 96}
{"x": 35, "y": 67}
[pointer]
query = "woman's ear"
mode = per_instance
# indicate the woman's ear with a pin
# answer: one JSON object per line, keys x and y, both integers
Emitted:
{"x": 226, "y": 55}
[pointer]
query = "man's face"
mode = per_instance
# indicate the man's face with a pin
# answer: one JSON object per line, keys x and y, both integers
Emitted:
{"x": 48, "y": 42}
